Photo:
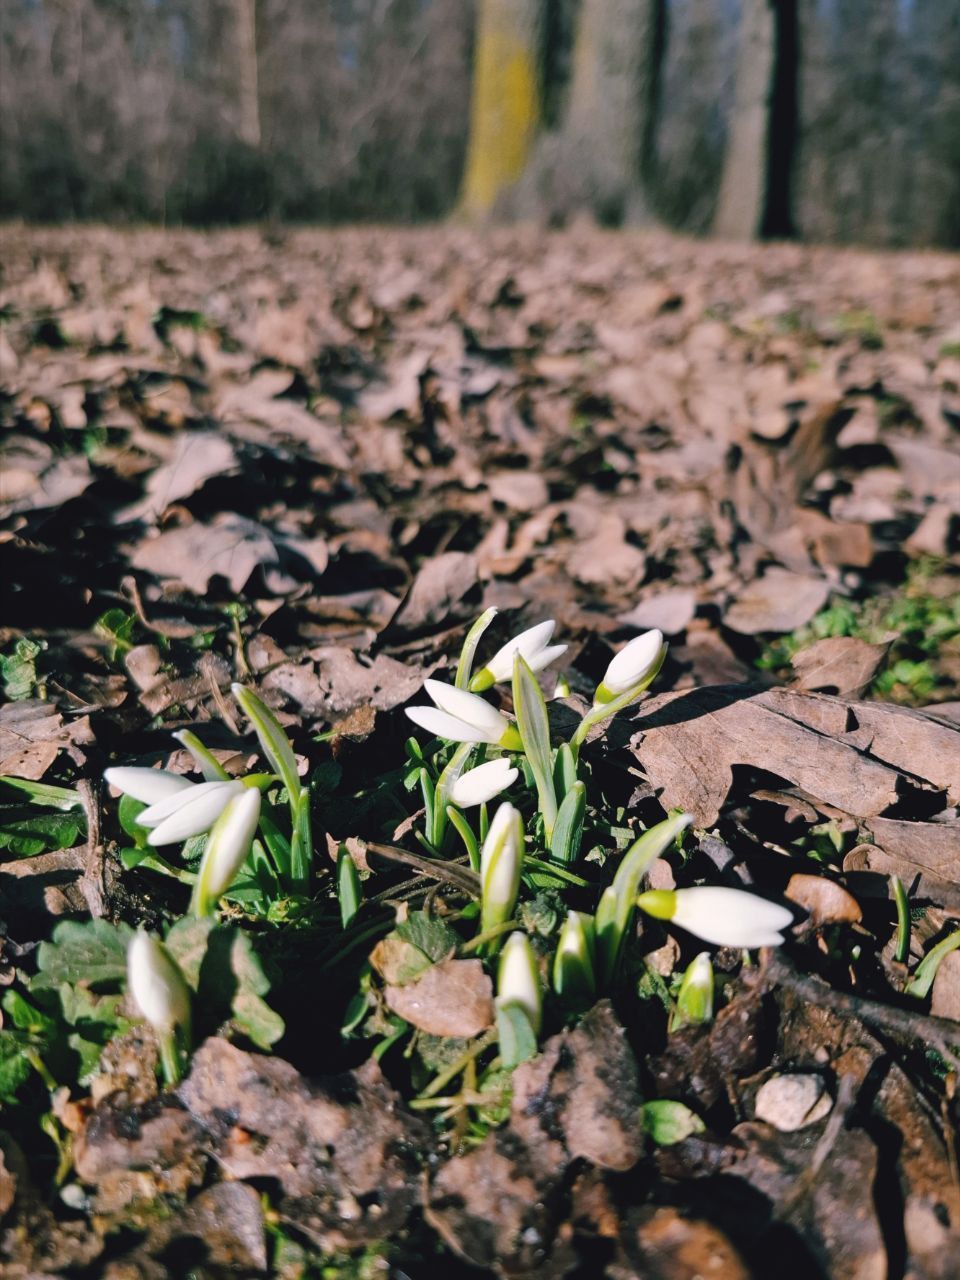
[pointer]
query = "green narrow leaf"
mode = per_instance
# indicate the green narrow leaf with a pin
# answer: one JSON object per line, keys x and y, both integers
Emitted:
{"x": 618, "y": 902}
{"x": 429, "y": 795}
{"x": 277, "y": 844}
{"x": 448, "y": 776}
{"x": 567, "y": 833}
{"x": 518, "y": 1040}
{"x": 903, "y": 920}
{"x": 534, "y": 725}
{"x": 273, "y": 741}
{"x": 349, "y": 889}
{"x": 44, "y": 793}
{"x": 463, "y": 829}
{"x": 926, "y": 971}
{"x": 565, "y": 770}
{"x": 301, "y": 845}
{"x": 209, "y": 765}
{"x": 469, "y": 650}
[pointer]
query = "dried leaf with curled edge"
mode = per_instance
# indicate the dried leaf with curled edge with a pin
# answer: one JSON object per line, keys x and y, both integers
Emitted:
{"x": 825, "y": 900}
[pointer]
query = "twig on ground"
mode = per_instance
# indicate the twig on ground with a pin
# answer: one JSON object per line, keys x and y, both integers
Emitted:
{"x": 942, "y": 1034}
{"x": 93, "y": 884}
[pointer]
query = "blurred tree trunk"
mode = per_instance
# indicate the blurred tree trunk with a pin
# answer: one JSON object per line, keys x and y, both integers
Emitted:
{"x": 505, "y": 106}
{"x": 247, "y": 71}
{"x": 743, "y": 186}
{"x": 593, "y": 163}
{"x": 610, "y": 103}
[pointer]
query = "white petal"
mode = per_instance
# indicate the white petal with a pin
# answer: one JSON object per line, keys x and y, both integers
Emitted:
{"x": 229, "y": 844}
{"x": 500, "y": 858}
{"x": 518, "y": 981}
{"x": 497, "y": 833}
{"x": 483, "y": 783}
{"x": 730, "y": 917}
{"x": 197, "y": 813}
{"x": 146, "y": 785}
{"x": 633, "y": 662}
{"x": 528, "y": 642}
{"x": 544, "y": 657}
{"x": 170, "y": 804}
{"x": 156, "y": 983}
{"x": 446, "y": 726}
{"x": 469, "y": 707}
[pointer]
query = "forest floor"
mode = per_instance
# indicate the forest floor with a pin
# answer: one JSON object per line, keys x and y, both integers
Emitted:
{"x": 307, "y": 461}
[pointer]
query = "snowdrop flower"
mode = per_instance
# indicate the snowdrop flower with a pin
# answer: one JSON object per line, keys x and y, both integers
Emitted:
{"x": 479, "y": 785}
{"x": 160, "y": 992}
{"x": 460, "y": 716}
{"x": 518, "y": 980}
{"x": 500, "y": 861}
{"x": 146, "y": 785}
{"x": 721, "y": 916}
{"x": 188, "y": 812}
{"x": 633, "y": 668}
{"x": 533, "y": 645}
{"x": 226, "y": 849}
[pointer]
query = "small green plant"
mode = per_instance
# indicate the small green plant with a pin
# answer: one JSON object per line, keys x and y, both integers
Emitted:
{"x": 48, "y": 818}
{"x": 925, "y": 621}
{"x": 18, "y": 669}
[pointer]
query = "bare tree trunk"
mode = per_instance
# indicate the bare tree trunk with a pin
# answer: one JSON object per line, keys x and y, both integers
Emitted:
{"x": 740, "y": 204}
{"x": 505, "y": 107}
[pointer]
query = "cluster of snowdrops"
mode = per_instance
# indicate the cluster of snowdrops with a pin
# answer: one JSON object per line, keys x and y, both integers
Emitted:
{"x": 476, "y": 755}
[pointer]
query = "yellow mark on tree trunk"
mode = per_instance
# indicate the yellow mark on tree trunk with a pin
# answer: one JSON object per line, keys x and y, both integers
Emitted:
{"x": 505, "y": 106}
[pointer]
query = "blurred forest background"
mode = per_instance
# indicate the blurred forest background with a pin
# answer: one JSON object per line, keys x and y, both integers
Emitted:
{"x": 830, "y": 120}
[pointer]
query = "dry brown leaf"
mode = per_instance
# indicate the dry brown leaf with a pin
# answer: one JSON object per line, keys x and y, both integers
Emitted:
{"x": 670, "y": 611}
{"x": 689, "y": 743}
{"x": 826, "y": 901}
{"x": 197, "y": 456}
{"x": 31, "y": 735}
{"x": 839, "y": 664}
{"x": 436, "y": 596}
{"x": 779, "y": 601}
{"x": 945, "y": 997}
{"x": 343, "y": 1154}
{"x": 452, "y": 998}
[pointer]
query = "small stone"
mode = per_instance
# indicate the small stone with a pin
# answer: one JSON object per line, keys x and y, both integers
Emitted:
{"x": 791, "y": 1102}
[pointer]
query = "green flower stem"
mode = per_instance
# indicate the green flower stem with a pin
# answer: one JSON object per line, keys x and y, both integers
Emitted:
{"x": 169, "y": 1057}
{"x": 903, "y": 921}
{"x": 41, "y": 1068}
{"x": 561, "y": 873}
{"x": 465, "y": 832}
{"x": 469, "y": 650}
{"x": 479, "y": 941}
{"x": 439, "y": 1082}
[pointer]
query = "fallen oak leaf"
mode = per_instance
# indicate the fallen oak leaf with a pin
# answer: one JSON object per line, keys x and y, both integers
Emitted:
{"x": 689, "y": 742}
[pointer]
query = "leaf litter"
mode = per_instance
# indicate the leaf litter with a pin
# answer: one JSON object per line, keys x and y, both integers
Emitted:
{"x": 320, "y": 482}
